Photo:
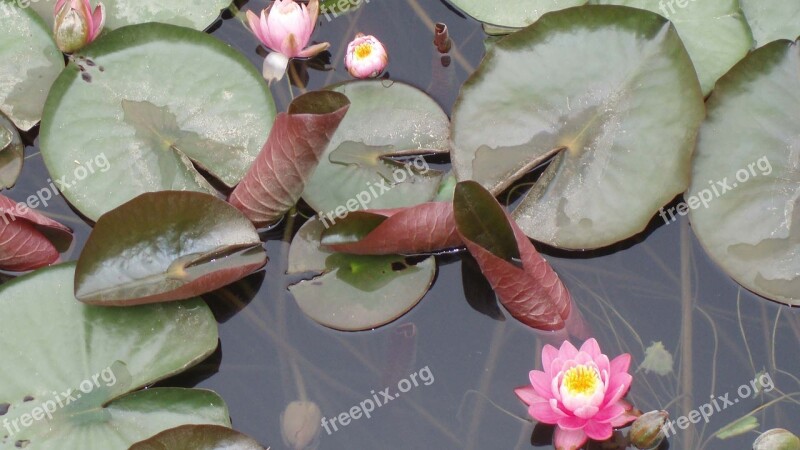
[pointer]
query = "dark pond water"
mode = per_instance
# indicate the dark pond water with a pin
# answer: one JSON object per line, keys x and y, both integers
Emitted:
{"x": 659, "y": 287}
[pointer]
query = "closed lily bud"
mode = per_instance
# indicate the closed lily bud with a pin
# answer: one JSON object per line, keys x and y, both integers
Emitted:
{"x": 777, "y": 439}
{"x": 76, "y": 25}
{"x": 300, "y": 424}
{"x": 366, "y": 57}
{"x": 647, "y": 431}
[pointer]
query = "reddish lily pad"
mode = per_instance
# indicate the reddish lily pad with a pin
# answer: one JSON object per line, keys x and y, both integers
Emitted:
{"x": 525, "y": 283}
{"x": 425, "y": 228}
{"x": 198, "y": 437}
{"x": 298, "y": 138}
{"x": 166, "y": 246}
{"x": 29, "y": 240}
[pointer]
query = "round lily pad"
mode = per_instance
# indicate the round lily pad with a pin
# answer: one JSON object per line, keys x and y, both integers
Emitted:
{"x": 512, "y": 13}
{"x": 186, "y": 13}
{"x": 610, "y": 91}
{"x": 353, "y": 292}
{"x": 198, "y": 437}
{"x": 70, "y": 360}
{"x": 370, "y": 157}
{"x": 163, "y": 106}
{"x": 30, "y": 63}
{"x": 715, "y": 32}
{"x": 771, "y": 20}
{"x": 745, "y": 192}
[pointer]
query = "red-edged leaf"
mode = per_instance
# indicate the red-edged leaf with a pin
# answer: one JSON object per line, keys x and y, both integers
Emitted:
{"x": 298, "y": 138}
{"x": 424, "y": 228}
{"x": 526, "y": 284}
{"x": 23, "y": 237}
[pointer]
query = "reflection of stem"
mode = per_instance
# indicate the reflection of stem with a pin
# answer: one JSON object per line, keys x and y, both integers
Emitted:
{"x": 686, "y": 327}
{"x": 291, "y": 92}
{"x": 486, "y": 378}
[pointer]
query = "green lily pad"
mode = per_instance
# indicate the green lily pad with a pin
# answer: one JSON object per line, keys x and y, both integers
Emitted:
{"x": 386, "y": 121}
{"x": 612, "y": 92}
{"x": 745, "y": 192}
{"x": 165, "y": 246}
{"x": 512, "y": 13}
{"x": 771, "y": 20}
{"x": 354, "y": 292}
{"x": 30, "y": 63}
{"x": 11, "y": 153}
{"x": 715, "y": 32}
{"x": 197, "y": 107}
{"x": 77, "y": 362}
{"x": 185, "y": 13}
{"x": 198, "y": 437}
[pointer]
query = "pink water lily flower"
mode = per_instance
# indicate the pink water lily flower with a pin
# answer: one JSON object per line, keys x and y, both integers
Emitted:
{"x": 285, "y": 28}
{"x": 580, "y": 392}
{"x": 366, "y": 57}
{"x": 76, "y": 25}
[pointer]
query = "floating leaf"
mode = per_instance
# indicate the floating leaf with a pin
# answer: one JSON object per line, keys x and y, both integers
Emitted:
{"x": 29, "y": 240}
{"x": 771, "y": 20}
{"x": 153, "y": 122}
{"x": 525, "y": 283}
{"x": 737, "y": 428}
{"x": 512, "y": 13}
{"x": 186, "y": 13}
{"x": 87, "y": 356}
{"x": 425, "y": 228}
{"x": 715, "y": 32}
{"x": 166, "y": 246}
{"x": 657, "y": 359}
{"x": 744, "y": 197}
{"x": 354, "y": 292}
{"x": 386, "y": 122}
{"x": 198, "y": 437}
{"x": 298, "y": 138}
{"x": 11, "y": 153}
{"x": 31, "y": 62}
{"x": 612, "y": 92}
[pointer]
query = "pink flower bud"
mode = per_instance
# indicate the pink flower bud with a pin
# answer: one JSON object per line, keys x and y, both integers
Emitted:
{"x": 76, "y": 25}
{"x": 366, "y": 57}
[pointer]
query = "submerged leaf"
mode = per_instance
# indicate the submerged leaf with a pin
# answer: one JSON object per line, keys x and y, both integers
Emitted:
{"x": 298, "y": 138}
{"x": 29, "y": 240}
{"x": 354, "y": 292}
{"x": 425, "y": 228}
{"x": 737, "y": 428}
{"x": 166, "y": 246}
{"x": 525, "y": 283}
{"x": 198, "y": 437}
{"x": 657, "y": 359}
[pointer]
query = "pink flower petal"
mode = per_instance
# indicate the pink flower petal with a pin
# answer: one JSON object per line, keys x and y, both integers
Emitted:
{"x": 569, "y": 439}
{"x": 98, "y": 21}
{"x": 572, "y": 423}
{"x": 549, "y": 353}
{"x": 586, "y": 412}
{"x": 544, "y": 412}
{"x": 541, "y": 383}
{"x": 609, "y": 413}
{"x": 592, "y": 348}
{"x": 617, "y": 388}
{"x": 527, "y": 395}
{"x": 567, "y": 351}
{"x": 598, "y": 431}
{"x": 314, "y": 50}
{"x": 621, "y": 363}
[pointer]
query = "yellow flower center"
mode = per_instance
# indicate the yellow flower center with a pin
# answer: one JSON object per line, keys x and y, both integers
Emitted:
{"x": 581, "y": 380}
{"x": 363, "y": 50}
